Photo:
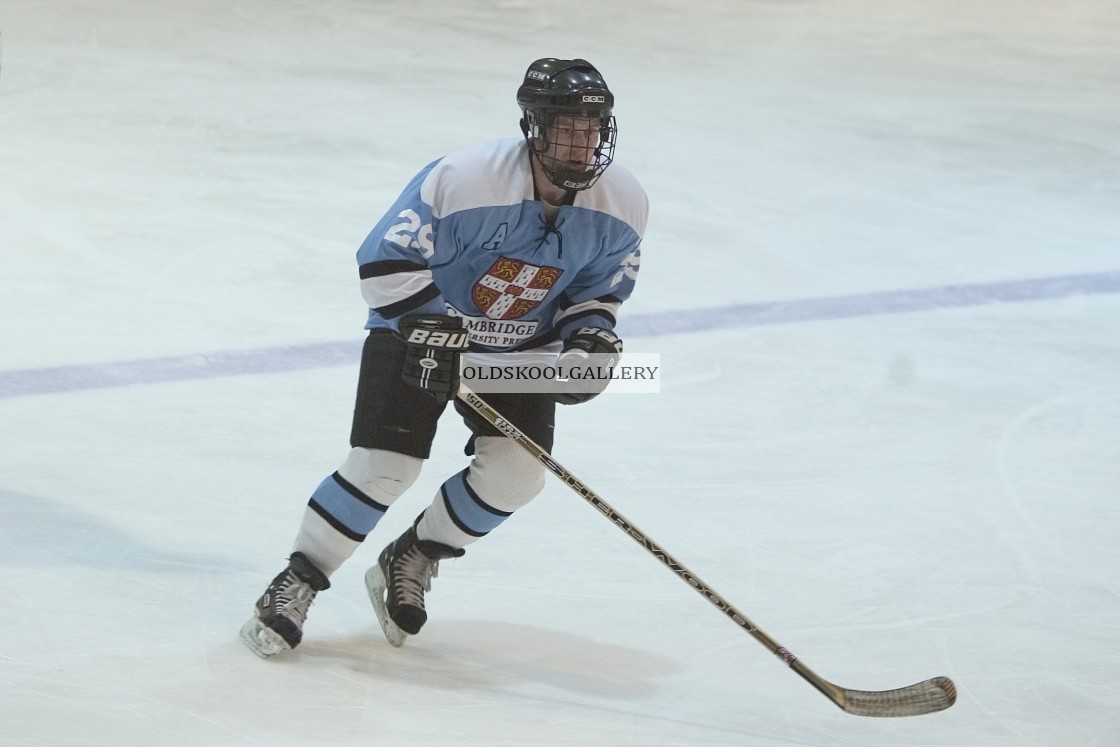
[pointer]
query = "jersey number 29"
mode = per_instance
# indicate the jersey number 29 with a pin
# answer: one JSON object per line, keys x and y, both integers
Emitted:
{"x": 411, "y": 235}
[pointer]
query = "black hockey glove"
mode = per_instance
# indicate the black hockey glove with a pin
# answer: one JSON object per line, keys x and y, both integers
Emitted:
{"x": 588, "y": 360}
{"x": 435, "y": 342}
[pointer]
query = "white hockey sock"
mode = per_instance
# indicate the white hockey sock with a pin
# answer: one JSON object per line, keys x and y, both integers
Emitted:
{"x": 347, "y": 505}
{"x": 501, "y": 479}
{"x": 323, "y": 545}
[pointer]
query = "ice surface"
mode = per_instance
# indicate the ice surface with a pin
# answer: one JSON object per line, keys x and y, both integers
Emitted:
{"x": 892, "y": 491}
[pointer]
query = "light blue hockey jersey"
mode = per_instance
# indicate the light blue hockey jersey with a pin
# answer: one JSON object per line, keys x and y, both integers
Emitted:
{"x": 467, "y": 238}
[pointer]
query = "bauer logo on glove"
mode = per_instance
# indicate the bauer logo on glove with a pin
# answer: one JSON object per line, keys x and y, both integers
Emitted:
{"x": 435, "y": 342}
{"x": 437, "y": 338}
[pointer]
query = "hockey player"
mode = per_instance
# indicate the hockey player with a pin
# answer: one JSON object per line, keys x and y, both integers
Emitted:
{"x": 527, "y": 244}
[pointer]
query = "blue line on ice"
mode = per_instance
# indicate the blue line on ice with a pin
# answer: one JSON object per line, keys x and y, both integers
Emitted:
{"x": 319, "y": 355}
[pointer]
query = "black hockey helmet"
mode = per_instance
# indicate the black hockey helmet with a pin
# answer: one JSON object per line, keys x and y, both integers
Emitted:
{"x": 567, "y": 88}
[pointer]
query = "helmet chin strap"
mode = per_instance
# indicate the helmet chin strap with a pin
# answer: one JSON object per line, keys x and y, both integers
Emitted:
{"x": 552, "y": 193}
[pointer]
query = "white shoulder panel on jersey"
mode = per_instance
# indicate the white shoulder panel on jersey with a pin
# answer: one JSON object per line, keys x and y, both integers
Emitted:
{"x": 618, "y": 193}
{"x": 498, "y": 173}
{"x": 486, "y": 175}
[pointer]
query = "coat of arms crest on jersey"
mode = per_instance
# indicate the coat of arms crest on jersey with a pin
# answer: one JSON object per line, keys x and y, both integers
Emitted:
{"x": 512, "y": 288}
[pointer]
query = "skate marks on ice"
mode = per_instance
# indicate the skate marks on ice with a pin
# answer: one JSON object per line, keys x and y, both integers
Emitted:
{"x": 467, "y": 681}
{"x": 1047, "y": 459}
{"x": 488, "y": 655}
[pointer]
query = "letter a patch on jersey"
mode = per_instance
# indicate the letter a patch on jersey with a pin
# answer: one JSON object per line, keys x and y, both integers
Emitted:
{"x": 512, "y": 288}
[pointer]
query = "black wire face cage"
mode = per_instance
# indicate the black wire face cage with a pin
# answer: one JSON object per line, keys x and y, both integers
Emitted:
{"x": 564, "y": 167}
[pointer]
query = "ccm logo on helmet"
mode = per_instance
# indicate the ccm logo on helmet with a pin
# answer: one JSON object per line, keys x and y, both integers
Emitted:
{"x": 594, "y": 99}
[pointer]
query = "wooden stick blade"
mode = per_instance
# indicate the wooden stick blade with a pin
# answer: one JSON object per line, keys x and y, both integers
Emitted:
{"x": 930, "y": 696}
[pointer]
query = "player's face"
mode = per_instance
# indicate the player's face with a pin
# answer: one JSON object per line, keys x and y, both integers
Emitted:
{"x": 573, "y": 141}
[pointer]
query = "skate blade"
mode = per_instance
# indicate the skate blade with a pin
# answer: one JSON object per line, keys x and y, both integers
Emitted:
{"x": 262, "y": 641}
{"x": 376, "y": 586}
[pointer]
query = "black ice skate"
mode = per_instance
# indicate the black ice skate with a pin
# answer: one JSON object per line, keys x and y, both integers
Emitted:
{"x": 277, "y": 624}
{"x": 396, "y": 585}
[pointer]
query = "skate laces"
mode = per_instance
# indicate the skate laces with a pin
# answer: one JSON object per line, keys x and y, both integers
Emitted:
{"x": 413, "y": 577}
{"x": 294, "y": 597}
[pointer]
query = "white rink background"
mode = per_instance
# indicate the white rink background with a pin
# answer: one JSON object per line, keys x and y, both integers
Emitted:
{"x": 893, "y": 494}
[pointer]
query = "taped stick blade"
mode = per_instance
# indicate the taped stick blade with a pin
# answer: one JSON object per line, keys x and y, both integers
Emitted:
{"x": 930, "y": 696}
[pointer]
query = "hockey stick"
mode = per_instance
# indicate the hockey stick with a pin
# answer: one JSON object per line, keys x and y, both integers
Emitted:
{"x": 929, "y": 696}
